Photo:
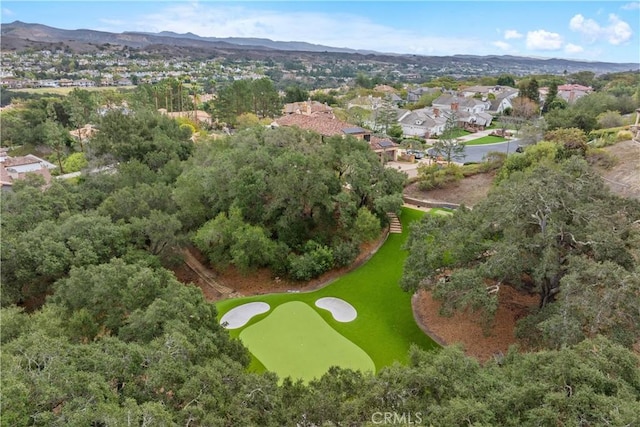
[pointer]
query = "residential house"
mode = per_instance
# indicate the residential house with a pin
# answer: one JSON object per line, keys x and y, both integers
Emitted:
{"x": 198, "y": 116}
{"x": 84, "y": 133}
{"x": 502, "y": 101}
{"x": 395, "y": 99}
{"x": 430, "y": 122}
{"x": 414, "y": 95}
{"x": 485, "y": 91}
{"x": 461, "y": 103}
{"x": 327, "y": 125}
{"x": 14, "y": 168}
{"x": 306, "y": 108}
{"x": 423, "y": 123}
{"x": 573, "y": 92}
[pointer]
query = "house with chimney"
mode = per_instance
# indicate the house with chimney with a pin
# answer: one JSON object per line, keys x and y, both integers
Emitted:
{"x": 471, "y": 113}
{"x": 461, "y": 103}
{"x": 572, "y": 92}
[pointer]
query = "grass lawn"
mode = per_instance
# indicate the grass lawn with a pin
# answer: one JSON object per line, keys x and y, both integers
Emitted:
{"x": 441, "y": 211}
{"x": 385, "y": 328}
{"x": 306, "y": 348}
{"x": 457, "y": 133}
{"x": 486, "y": 140}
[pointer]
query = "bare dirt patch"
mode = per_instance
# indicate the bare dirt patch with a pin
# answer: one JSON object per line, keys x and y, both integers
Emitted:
{"x": 465, "y": 328}
{"x": 624, "y": 177}
{"x": 468, "y": 191}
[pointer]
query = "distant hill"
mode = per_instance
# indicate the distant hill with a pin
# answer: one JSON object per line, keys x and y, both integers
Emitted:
{"x": 271, "y": 44}
{"x": 17, "y": 36}
{"x": 43, "y": 33}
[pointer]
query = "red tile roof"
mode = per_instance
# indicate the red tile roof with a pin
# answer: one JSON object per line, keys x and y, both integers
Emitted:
{"x": 324, "y": 125}
{"x": 329, "y": 126}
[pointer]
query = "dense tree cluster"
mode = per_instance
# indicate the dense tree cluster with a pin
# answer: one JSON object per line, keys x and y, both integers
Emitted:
{"x": 550, "y": 228}
{"x": 287, "y": 199}
{"x": 112, "y": 338}
{"x": 161, "y": 359}
{"x": 259, "y": 97}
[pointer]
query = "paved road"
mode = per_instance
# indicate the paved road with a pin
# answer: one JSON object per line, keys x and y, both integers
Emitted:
{"x": 476, "y": 153}
{"x": 473, "y": 153}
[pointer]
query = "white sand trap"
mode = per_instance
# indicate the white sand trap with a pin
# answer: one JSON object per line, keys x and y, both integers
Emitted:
{"x": 239, "y": 316}
{"x": 341, "y": 310}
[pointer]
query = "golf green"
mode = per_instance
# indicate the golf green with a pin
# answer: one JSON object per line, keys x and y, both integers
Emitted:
{"x": 295, "y": 341}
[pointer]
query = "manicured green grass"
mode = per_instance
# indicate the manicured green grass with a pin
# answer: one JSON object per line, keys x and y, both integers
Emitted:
{"x": 486, "y": 140}
{"x": 385, "y": 328}
{"x": 441, "y": 211}
{"x": 457, "y": 133}
{"x": 306, "y": 347}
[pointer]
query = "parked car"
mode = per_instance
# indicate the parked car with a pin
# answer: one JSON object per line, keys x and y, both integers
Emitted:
{"x": 416, "y": 153}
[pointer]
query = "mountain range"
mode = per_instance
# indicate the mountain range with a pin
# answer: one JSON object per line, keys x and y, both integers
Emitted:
{"x": 17, "y": 36}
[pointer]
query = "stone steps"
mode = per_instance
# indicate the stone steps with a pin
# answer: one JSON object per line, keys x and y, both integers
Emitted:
{"x": 394, "y": 224}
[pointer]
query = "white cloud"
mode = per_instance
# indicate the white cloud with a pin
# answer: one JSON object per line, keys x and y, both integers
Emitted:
{"x": 617, "y": 32}
{"x": 512, "y": 34}
{"x": 7, "y": 12}
{"x": 502, "y": 45}
{"x": 573, "y": 48}
{"x": 634, "y": 5}
{"x": 588, "y": 27}
{"x": 543, "y": 40}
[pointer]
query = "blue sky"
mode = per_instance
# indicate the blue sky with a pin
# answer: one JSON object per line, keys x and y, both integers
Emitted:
{"x": 591, "y": 30}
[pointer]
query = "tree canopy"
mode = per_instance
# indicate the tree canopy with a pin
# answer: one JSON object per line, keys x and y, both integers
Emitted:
{"x": 552, "y": 229}
{"x": 281, "y": 189}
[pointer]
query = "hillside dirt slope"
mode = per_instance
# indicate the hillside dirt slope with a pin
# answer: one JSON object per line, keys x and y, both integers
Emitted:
{"x": 624, "y": 177}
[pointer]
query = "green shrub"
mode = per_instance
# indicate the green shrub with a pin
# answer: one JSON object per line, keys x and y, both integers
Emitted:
{"x": 471, "y": 169}
{"x": 75, "y": 162}
{"x": 599, "y": 133}
{"x": 367, "y": 226}
{"x": 603, "y": 141}
{"x": 601, "y": 158}
{"x": 389, "y": 203}
{"x": 312, "y": 263}
{"x": 280, "y": 262}
{"x": 494, "y": 161}
{"x": 435, "y": 176}
{"x": 344, "y": 253}
{"x": 624, "y": 135}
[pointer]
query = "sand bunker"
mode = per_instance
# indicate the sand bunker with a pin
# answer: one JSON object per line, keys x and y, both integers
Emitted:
{"x": 239, "y": 316}
{"x": 341, "y": 310}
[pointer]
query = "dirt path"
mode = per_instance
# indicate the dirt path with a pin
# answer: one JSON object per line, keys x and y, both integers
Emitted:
{"x": 206, "y": 276}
